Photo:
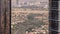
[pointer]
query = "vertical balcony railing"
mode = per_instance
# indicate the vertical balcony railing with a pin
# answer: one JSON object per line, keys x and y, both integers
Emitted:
{"x": 53, "y": 17}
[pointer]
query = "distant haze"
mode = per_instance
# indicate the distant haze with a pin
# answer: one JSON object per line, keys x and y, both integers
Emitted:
{"x": 33, "y": 0}
{"x": 17, "y": 3}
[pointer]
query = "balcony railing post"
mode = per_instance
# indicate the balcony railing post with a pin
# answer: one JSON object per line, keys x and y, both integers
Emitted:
{"x": 5, "y": 14}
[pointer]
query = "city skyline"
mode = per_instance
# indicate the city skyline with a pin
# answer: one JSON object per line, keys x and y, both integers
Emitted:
{"x": 29, "y": 3}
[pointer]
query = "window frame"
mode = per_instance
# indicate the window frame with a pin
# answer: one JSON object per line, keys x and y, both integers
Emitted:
{"x": 5, "y": 17}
